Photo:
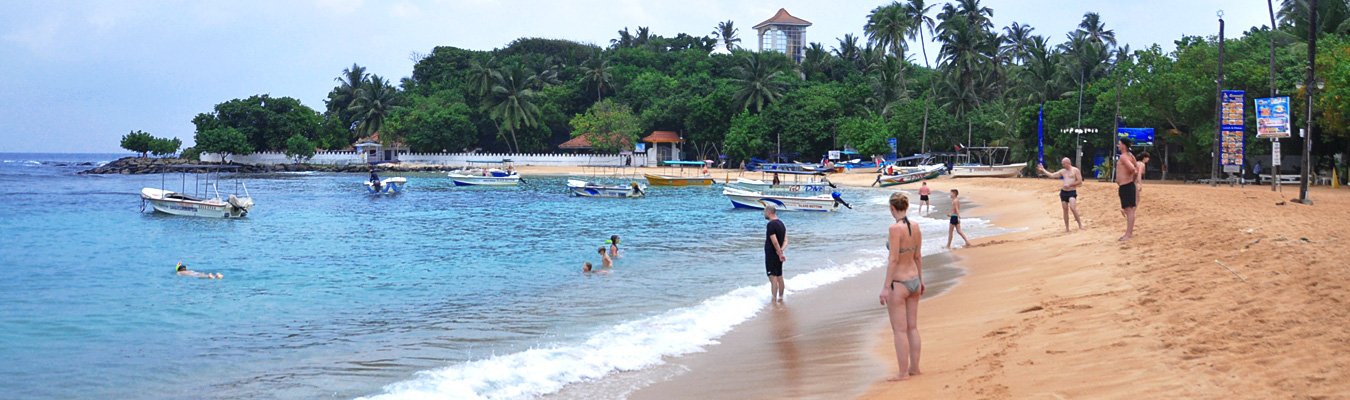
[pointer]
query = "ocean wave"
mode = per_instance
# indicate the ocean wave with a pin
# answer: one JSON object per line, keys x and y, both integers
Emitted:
{"x": 628, "y": 346}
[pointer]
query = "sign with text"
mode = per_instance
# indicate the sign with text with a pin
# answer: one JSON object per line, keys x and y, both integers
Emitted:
{"x": 1275, "y": 155}
{"x": 1272, "y": 117}
{"x": 1231, "y": 125}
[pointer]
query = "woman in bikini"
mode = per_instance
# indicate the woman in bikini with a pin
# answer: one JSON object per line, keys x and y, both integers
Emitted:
{"x": 903, "y": 286}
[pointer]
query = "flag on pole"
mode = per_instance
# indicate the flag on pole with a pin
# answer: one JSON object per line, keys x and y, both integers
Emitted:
{"x": 1040, "y": 135}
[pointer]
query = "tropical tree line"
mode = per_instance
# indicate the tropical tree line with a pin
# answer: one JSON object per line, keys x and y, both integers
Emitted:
{"x": 147, "y": 144}
{"x": 985, "y": 85}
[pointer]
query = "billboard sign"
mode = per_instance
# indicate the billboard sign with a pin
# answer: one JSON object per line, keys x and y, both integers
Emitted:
{"x": 1272, "y": 117}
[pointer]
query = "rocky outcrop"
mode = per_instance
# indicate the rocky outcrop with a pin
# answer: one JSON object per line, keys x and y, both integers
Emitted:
{"x": 138, "y": 165}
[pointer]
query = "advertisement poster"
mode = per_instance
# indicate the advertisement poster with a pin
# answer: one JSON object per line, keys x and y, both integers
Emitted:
{"x": 1272, "y": 117}
{"x": 1231, "y": 124}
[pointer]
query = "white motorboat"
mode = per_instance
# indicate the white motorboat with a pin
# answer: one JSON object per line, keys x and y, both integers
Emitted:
{"x": 387, "y": 186}
{"x": 485, "y": 176}
{"x": 199, "y": 205}
{"x": 582, "y": 188}
{"x": 741, "y": 198}
{"x": 905, "y": 175}
{"x": 987, "y": 171}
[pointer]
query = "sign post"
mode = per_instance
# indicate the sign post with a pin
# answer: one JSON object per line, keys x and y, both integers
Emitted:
{"x": 1231, "y": 126}
{"x": 1272, "y": 121}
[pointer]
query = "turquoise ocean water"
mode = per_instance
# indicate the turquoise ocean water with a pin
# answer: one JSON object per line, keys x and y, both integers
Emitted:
{"x": 439, "y": 292}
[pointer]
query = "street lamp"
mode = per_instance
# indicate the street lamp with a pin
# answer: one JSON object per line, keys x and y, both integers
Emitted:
{"x": 1308, "y": 90}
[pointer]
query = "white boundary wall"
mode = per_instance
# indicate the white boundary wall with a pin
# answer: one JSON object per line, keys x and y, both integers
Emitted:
{"x": 448, "y": 159}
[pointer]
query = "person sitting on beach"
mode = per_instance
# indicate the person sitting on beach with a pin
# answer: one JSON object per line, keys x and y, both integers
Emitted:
{"x": 183, "y": 270}
{"x": 904, "y": 267}
{"x": 956, "y": 220}
{"x": 614, "y": 246}
{"x": 924, "y": 191}
{"x": 605, "y": 261}
{"x": 1068, "y": 192}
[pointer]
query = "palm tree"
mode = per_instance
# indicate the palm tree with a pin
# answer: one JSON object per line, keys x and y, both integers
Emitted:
{"x": 1095, "y": 30}
{"x": 342, "y": 96}
{"x": 374, "y": 100}
{"x": 758, "y": 81}
{"x": 817, "y": 61}
{"x": 978, "y": 16}
{"x": 848, "y": 49}
{"x": 1039, "y": 73}
{"x": 596, "y": 73}
{"x": 874, "y": 58}
{"x": 726, "y": 34}
{"x": 1016, "y": 39}
{"x": 1332, "y": 17}
{"x": 511, "y": 105}
{"x": 886, "y": 87}
{"x": 483, "y": 75}
{"x": 625, "y": 39}
{"x": 919, "y": 21}
{"x": 886, "y": 27}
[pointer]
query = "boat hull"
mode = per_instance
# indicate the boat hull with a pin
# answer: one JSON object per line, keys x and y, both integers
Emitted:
{"x": 753, "y": 184}
{"x": 910, "y": 177}
{"x": 466, "y": 180}
{"x": 757, "y": 201}
{"x": 586, "y": 189}
{"x": 163, "y": 201}
{"x": 987, "y": 171}
{"x": 666, "y": 180}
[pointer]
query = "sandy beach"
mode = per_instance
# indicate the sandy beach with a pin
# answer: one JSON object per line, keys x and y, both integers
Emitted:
{"x": 1222, "y": 293}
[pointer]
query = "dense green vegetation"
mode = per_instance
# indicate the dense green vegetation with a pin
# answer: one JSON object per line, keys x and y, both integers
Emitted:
{"x": 857, "y": 91}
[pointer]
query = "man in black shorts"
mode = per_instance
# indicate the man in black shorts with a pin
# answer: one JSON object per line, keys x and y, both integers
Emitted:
{"x": 1125, "y": 176}
{"x": 775, "y": 247}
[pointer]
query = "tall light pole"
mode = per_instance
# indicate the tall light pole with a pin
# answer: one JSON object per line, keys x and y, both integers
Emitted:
{"x": 1218, "y": 112}
{"x": 1274, "y": 141}
{"x": 1311, "y": 85}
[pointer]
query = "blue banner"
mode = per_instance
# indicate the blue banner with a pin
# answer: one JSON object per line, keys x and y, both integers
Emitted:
{"x": 1040, "y": 135}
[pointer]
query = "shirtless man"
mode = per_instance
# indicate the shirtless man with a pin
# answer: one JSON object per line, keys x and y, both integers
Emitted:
{"x": 1126, "y": 173}
{"x": 1068, "y": 192}
{"x": 924, "y": 191}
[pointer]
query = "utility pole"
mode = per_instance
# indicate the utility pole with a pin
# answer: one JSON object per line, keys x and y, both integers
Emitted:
{"x": 1275, "y": 170}
{"x": 1218, "y": 112}
{"x": 1078, "y": 140}
{"x": 1310, "y": 86}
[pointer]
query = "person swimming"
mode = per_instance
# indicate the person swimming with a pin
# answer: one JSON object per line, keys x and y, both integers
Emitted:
{"x": 182, "y": 270}
{"x": 613, "y": 243}
{"x": 586, "y": 267}
{"x": 605, "y": 261}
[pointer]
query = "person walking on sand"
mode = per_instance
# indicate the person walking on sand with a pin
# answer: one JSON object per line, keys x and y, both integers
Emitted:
{"x": 903, "y": 286}
{"x": 775, "y": 252}
{"x": 1068, "y": 192}
{"x": 924, "y": 191}
{"x": 956, "y": 221}
{"x": 1128, "y": 190}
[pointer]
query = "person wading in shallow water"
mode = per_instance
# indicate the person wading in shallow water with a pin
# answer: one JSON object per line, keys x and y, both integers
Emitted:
{"x": 775, "y": 252}
{"x": 903, "y": 286}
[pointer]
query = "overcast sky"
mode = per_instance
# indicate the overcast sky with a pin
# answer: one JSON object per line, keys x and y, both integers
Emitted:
{"x": 77, "y": 75}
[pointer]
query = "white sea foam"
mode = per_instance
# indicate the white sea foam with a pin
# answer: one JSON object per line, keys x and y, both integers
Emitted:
{"x": 625, "y": 347}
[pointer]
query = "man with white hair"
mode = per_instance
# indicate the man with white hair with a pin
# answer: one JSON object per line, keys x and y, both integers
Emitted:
{"x": 775, "y": 248}
{"x": 1072, "y": 178}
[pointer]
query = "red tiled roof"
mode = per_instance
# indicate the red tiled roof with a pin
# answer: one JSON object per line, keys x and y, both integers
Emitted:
{"x": 663, "y": 137}
{"x": 583, "y": 141}
{"x": 782, "y": 18}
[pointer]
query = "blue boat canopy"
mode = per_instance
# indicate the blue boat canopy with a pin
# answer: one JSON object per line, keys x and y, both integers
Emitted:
{"x": 682, "y": 162}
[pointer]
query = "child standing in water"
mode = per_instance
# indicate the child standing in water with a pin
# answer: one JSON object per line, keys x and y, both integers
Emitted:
{"x": 956, "y": 221}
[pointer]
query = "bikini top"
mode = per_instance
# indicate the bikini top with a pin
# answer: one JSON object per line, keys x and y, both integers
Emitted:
{"x": 908, "y": 229}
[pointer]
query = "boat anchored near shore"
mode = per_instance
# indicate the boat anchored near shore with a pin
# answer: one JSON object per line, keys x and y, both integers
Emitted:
{"x": 486, "y": 176}
{"x": 198, "y": 204}
{"x": 743, "y": 198}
